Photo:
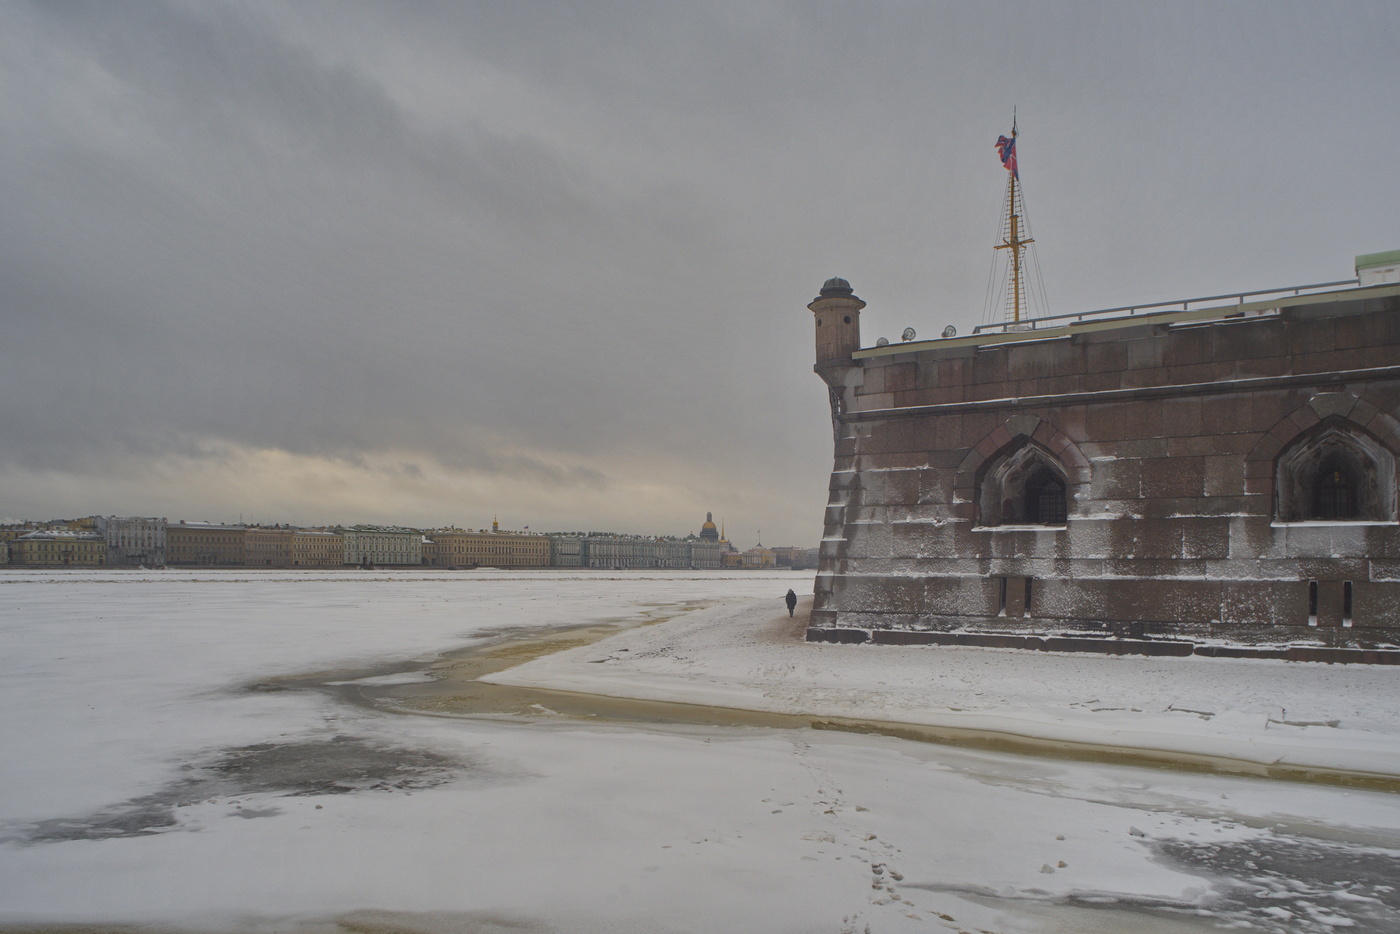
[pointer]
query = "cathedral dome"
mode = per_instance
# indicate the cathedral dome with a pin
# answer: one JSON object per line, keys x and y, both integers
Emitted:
{"x": 708, "y": 531}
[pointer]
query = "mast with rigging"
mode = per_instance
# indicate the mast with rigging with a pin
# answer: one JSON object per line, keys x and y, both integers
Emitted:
{"x": 1014, "y": 230}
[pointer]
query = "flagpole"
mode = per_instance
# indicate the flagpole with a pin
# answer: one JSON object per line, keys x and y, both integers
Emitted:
{"x": 1014, "y": 243}
{"x": 1015, "y": 251}
{"x": 1015, "y": 236}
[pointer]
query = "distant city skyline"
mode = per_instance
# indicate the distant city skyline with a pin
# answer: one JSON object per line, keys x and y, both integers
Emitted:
{"x": 366, "y": 263}
{"x": 146, "y": 541}
{"x": 494, "y": 526}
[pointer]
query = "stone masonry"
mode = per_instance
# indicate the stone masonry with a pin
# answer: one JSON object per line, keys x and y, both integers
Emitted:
{"x": 1184, "y": 481}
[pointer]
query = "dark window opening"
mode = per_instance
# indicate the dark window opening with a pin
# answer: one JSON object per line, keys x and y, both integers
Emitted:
{"x": 1045, "y": 498}
{"x": 1346, "y": 603}
{"x": 1025, "y": 486}
{"x": 1334, "y": 490}
{"x": 1027, "y": 612}
{"x": 847, "y": 319}
{"x": 1312, "y": 603}
{"x": 1001, "y": 600}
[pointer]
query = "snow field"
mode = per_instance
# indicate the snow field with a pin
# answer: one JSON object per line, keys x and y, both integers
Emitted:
{"x": 1265, "y": 712}
{"x": 121, "y": 690}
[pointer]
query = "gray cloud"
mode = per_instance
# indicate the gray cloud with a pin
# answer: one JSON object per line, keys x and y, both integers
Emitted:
{"x": 570, "y": 246}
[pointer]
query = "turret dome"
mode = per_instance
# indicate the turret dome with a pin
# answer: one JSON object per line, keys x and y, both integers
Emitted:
{"x": 836, "y": 286}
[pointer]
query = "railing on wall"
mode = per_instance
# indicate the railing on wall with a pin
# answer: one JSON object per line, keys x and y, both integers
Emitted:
{"x": 1156, "y": 308}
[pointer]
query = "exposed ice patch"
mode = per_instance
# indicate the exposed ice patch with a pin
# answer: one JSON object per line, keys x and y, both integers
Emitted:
{"x": 335, "y": 766}
{"x": 407, "y": 677}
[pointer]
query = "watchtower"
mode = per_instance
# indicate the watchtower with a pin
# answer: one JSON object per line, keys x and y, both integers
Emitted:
{"x": 837, "y": 312}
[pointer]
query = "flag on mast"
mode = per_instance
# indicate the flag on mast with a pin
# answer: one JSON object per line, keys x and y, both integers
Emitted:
{"x": 1006, "y": 148}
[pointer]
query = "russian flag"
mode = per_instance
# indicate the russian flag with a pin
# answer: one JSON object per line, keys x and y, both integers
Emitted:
{"x": 1006, "y": 148}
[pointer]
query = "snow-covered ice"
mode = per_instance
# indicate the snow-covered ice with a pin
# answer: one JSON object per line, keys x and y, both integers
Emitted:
{"x": 152, "y": 777}
{"x": 1250, "y": 712}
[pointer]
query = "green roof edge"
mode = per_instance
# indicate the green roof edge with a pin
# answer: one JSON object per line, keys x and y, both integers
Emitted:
{"x": 1367, "y": 260}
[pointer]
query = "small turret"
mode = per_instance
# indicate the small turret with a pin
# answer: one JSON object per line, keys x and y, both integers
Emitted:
{"x": 837, "y": 311}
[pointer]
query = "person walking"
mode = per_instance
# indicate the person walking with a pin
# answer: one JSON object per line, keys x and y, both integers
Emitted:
{"x": 791, "y": 599}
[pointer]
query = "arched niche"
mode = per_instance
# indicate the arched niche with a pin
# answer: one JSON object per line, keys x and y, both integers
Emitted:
{"x": 1335, "y": 472}
{"x": 1023, "y": 485}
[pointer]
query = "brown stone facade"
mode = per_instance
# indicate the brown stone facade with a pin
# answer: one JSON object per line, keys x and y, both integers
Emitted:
{"x": 1218, "y": 476}
{"x": 204, "y": 544}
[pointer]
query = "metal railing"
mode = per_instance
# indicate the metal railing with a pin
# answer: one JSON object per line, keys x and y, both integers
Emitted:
{"x": 1156, "y": 308}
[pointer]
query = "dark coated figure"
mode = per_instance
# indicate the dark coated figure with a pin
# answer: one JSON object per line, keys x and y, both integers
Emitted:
{"x": 791, "y": 599}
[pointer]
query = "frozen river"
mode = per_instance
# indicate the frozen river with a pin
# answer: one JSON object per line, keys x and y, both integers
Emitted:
{"x": 231, "y": 751}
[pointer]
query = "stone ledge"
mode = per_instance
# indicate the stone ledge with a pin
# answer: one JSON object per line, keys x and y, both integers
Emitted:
{"x": 840, "y": 636}
{"x": 1104, "y": 646}
{"x": 1241, "y": 651}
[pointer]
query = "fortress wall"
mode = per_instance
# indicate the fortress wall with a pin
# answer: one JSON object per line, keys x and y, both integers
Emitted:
{"x": 1167, "y": 436}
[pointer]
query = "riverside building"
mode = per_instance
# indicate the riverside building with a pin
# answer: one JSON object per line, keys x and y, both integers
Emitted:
{"x": 132, "y": 540}
{"x": 206, "y": 544}
{"x": 612, "y": 551}
{"x": 494, "y": 548}
{"x": 267, "y": 547}
{"x": 317, "y": 548}
{"x": 59, "y": 548}
{"x": 372, "y": 545}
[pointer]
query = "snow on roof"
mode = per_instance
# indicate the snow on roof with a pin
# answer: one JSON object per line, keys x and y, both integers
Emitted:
{"x": 60, "y": 535}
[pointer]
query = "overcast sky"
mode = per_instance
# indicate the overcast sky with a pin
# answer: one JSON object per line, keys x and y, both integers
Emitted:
{"x": 429, "y": 263}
